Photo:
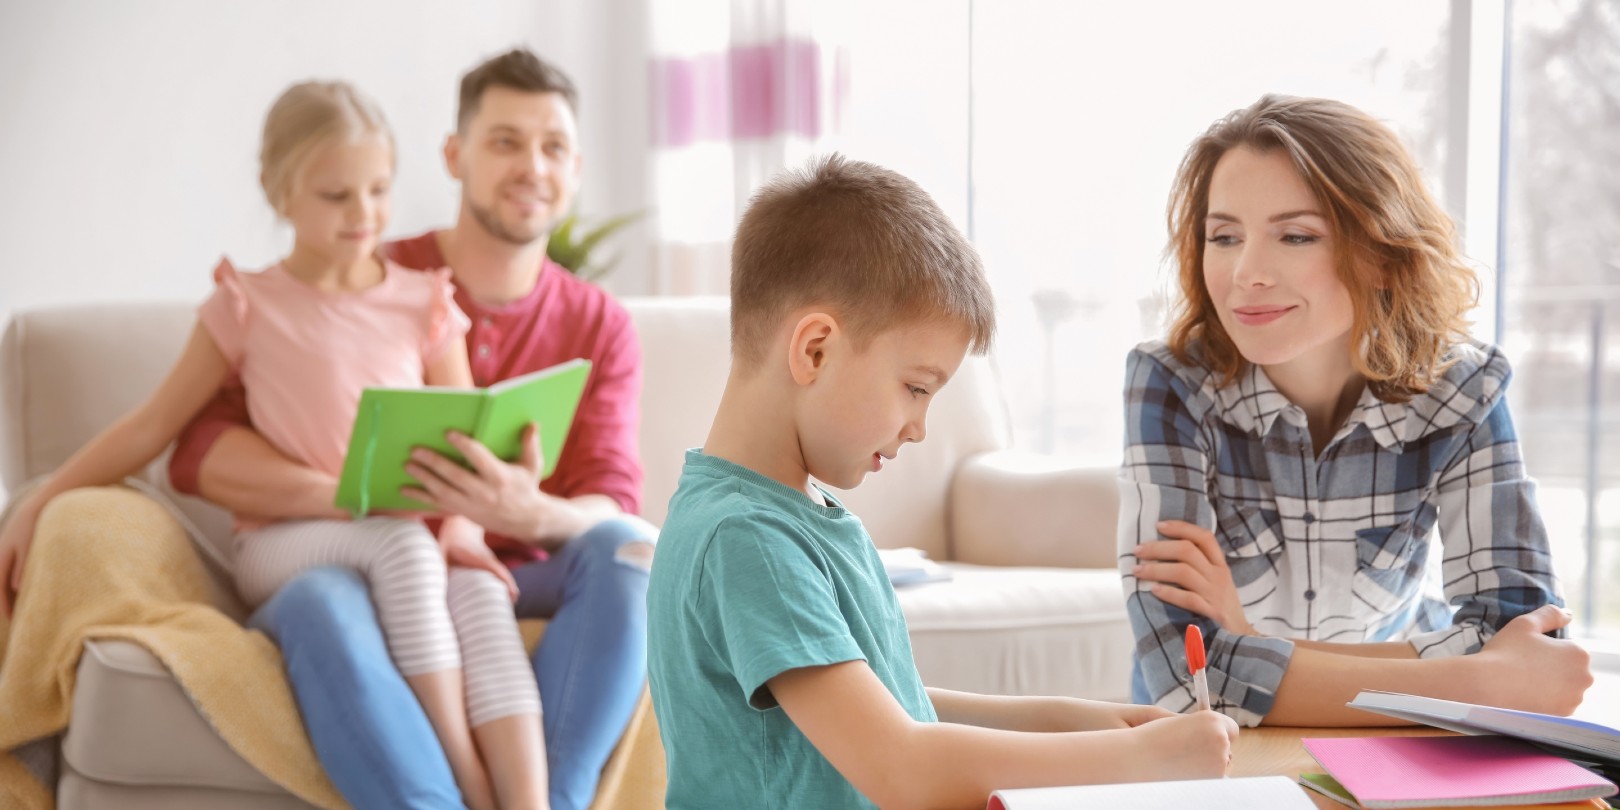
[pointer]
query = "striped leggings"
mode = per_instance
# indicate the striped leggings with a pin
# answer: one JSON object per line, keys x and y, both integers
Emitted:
{"x": 433, "y": 619}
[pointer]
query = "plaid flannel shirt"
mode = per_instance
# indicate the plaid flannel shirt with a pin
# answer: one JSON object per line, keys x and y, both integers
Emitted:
{"x": 1331, "y": 547}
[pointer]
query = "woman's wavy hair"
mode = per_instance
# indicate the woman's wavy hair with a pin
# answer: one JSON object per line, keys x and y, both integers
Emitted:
{"x": 1395, "y": 248}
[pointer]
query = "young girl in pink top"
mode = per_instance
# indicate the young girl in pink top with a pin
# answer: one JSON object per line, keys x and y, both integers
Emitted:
{"x": 307, "y": 335}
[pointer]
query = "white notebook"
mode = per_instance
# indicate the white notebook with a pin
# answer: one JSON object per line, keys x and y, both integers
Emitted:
{"x": 1268, "y": 792}
{"x": 1579, "y": 737}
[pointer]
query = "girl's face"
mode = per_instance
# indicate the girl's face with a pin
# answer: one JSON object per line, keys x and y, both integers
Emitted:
{"x": 1269, "y": 263}
{"x": 339, "y": 204}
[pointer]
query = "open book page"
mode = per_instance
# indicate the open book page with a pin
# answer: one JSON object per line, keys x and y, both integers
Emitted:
{"x": 1580, "y": 736}
{"x": 1269, "y": 792}
{"x": 391, "y": 422}
{"x": 547, "y": 398}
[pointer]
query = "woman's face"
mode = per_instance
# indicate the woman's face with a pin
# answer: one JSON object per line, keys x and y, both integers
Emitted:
{"x": 1269, "y": 263}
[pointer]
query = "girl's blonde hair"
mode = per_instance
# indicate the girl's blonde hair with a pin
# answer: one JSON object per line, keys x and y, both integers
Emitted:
{"x": 304, "y": 117}
{"x": 1395, "y": 247}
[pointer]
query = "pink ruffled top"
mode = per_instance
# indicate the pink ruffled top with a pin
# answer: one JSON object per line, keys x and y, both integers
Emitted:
{"x": 305, "y": 354}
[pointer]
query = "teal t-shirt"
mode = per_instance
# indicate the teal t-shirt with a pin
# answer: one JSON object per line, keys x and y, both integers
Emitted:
{"x": 751, "y": 580}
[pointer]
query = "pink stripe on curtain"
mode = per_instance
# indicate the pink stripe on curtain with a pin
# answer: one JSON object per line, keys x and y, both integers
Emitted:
{"x": 747, "y": 92}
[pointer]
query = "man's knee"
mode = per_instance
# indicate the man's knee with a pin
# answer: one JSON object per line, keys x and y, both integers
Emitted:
{"x": 321, "y": 600}
{"x": 625, "y": 540}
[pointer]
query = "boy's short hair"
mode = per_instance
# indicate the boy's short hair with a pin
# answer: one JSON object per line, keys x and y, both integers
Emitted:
{"x": 518, "y": 69}
{"x": 864, "y": 241}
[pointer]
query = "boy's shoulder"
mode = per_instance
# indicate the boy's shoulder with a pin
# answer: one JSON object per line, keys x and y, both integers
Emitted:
{"x": 719, "y": 520}
{"x": 700, "y": 514}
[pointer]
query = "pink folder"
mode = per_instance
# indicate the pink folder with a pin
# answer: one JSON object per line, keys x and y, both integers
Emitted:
{"x": 1427, "y": 771}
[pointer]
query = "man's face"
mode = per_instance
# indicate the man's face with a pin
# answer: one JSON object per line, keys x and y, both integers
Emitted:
{"x": 518, "y": 162}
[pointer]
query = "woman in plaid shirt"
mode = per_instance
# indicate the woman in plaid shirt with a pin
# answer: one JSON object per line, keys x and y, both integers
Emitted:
{"x": 1320, "y": 405}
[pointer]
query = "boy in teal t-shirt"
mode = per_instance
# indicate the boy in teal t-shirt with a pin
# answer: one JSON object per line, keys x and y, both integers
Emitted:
{"x": 780, "y": 667}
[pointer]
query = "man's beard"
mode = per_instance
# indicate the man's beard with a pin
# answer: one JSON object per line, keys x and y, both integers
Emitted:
{"x": 500, "y": 230}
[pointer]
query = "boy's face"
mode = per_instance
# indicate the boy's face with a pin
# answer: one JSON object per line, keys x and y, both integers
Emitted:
{"x": 864, "y": 404}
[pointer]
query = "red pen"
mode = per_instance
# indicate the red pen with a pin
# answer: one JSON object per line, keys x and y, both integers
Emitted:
{"x": 1195, "y": 665}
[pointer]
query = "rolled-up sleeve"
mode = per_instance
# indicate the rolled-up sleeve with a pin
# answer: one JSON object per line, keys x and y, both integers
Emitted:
{"x": 1163, "y": 478}
{"x": 1497, "y": 563}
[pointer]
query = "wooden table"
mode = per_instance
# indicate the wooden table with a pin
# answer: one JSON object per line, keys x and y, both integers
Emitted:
{"x": 1276, "y": 751}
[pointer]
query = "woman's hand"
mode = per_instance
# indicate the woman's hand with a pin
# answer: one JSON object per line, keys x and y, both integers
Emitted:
{"x": 464, "y": 546}
{"x": 1189, "y": 571}
{"x": 1524, "y": 669}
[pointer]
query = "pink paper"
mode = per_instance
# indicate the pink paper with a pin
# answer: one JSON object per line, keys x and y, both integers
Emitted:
{"x": 1441, "y": 769}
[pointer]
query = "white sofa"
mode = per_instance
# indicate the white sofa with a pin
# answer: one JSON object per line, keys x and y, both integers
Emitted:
{"x": 1034, "y": 607}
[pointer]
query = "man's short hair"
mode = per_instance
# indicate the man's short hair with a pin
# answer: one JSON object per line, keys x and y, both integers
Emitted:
{"x": 518, "y": 69}
{"x": 867, "y": 243}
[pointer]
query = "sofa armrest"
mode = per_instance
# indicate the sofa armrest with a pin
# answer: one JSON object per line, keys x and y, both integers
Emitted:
{"x": 1022, "y": 509}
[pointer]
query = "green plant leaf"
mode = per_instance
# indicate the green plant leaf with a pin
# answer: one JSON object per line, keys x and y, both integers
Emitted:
{"x": 574, "y": 254}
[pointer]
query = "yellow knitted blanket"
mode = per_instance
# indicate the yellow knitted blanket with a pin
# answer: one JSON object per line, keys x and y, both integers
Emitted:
{"x": 110, "y": 563}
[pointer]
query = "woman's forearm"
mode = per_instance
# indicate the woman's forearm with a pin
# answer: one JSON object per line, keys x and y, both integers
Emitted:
{"x": 1317, "y": 685}
{"x": 1381, "y": 649}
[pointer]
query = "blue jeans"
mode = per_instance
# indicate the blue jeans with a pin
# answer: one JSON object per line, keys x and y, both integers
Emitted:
{"x": 371, "y": 733}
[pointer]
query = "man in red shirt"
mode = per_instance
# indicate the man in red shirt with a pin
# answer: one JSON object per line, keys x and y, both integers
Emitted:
{"x": 574, "y": 557}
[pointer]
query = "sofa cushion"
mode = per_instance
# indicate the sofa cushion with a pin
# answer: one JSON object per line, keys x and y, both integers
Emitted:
{"x": 133, "y": 725}
{"x": 78, "y": 792}
{"x": 1022, "y": 631}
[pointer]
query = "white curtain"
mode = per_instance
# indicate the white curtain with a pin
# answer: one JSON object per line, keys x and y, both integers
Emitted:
{"x": 740, "y": 89}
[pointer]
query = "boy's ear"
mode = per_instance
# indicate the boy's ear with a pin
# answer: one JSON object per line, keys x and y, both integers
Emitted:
{"x": 807, "y": 347}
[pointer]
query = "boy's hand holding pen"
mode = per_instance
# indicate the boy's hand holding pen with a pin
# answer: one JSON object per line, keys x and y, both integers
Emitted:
{"x": 1195, "y": 666}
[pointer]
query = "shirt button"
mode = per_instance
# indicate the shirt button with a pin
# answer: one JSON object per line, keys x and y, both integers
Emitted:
{"x": 1309, "y": 518}
{"x": 485, "y": 322}
{"x": 483, "y": 351}
{"x": 1310, "y": 595}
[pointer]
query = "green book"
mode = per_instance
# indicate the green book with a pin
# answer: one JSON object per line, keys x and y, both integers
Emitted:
{"x": 392, "y": 422}
{"x": 1329, "y": 787}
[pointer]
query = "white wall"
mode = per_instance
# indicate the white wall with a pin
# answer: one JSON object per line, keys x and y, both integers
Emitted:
{"x": 129, "y": 131}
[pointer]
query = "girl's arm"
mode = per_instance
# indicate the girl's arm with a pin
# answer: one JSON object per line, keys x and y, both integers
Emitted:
{"x": 133, "y": 441}
{"x": 897, "y": 762}
{"x": 1038, "y": 714}
{"x": 124, "y": 448}
{"x": 451, "y": 368}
